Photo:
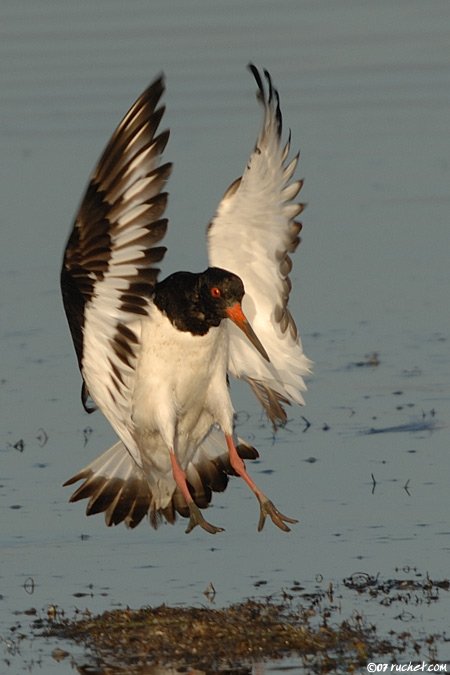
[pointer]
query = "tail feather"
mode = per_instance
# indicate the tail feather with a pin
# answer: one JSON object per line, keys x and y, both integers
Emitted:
{"x": 114, "y": 484}
{"x": 125, "y": 501}
{"x": 103, "y": 498}
{"x": 139, "y": 506}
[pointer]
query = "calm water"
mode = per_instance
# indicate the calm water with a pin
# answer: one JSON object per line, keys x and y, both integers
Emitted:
{"x": 365, "y": 89}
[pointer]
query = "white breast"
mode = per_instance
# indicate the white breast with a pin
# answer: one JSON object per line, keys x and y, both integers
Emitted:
{"x": 180, "y": 389}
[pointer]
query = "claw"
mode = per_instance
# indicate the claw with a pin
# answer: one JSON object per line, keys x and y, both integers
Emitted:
{"x": 196, "y": 518}
{"x": 267, "y": 508}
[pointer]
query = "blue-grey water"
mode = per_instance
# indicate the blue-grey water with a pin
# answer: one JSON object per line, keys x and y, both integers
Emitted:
{"x": 365, "y": 88}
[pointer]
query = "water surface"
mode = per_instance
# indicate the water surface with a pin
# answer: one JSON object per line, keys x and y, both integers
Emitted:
{"x": 365, "y": 89}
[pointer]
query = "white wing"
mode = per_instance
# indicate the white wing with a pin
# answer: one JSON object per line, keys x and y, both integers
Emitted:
{"x": 108, "y": 275}
{"x": 252, "y": 234}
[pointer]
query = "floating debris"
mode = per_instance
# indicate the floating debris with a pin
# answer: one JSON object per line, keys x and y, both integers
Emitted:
{"x": 360, "y": 581}
{"x": 307, "y": 627}
{"x": 29, "y": 585}
{"x": 19, "y": 445}
{"x": 307, "y": 424}
{"x": 59, "y": 655}
{"x": 87, "y": 431}
{"x": 217, "y": 640}
{"x": 41, "y": 437}
{"x": 210, "y": 592}
{"x": 426, "y": 590}
{"x": 370, "y": 361}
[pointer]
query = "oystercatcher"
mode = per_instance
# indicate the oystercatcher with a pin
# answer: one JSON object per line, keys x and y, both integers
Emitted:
{"x": 155, "y": 355}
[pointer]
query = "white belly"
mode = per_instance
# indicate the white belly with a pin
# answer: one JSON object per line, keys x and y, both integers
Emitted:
{"x": 180, "y": 390}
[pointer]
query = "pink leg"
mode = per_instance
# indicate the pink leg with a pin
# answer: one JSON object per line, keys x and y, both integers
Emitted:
{"x": 266, "y": 506}
{"x": 196, "y": 517}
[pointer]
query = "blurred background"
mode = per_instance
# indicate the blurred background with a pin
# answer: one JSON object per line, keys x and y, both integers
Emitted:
{"x": 365, "y": 90}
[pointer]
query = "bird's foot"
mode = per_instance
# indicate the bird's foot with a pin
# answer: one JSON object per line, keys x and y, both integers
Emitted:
{"x": 269, "y": 509}
{"x": 196, "y": 518}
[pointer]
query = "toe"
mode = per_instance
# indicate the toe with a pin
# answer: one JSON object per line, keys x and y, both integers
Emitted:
{"x": 196, "y": 518}
{"x": 280, "y": 520}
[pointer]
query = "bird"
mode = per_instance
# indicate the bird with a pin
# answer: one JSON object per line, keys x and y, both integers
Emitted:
{"x": 156, "y": 356}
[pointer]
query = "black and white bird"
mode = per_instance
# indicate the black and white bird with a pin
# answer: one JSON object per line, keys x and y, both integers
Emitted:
{"x": 155, "y": 355}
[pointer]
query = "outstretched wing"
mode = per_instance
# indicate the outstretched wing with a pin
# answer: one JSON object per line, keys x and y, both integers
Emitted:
{"x": 252, "y": 235}
{"x": 108, "y": 272}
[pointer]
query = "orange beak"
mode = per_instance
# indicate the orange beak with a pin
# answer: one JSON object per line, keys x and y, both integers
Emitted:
{"x": 238, "y": 317}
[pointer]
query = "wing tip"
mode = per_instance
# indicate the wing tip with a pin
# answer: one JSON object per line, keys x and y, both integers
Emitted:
{"x": 261, "y": 94}
{"x": 269, "y": 99}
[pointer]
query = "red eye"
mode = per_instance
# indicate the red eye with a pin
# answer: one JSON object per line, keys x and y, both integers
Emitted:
{"x": 215, "y": 292}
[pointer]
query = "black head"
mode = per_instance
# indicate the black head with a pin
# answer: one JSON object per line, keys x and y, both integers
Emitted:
{"x": 197, "y": 302}
{"x": 219, "y": 290}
